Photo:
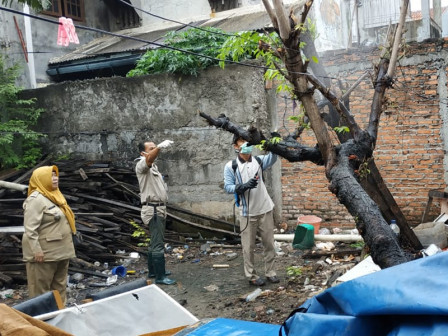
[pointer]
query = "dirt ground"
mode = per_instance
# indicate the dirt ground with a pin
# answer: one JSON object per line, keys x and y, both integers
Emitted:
{"x": 209, "y": 292}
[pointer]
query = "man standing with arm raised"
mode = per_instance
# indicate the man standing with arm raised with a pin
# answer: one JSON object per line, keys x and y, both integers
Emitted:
{"x": 153, "y": 197}
{"x": 243, "y": 177}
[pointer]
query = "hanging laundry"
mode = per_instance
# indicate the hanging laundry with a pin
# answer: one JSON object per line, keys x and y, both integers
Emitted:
{"x": 66, "y": 32}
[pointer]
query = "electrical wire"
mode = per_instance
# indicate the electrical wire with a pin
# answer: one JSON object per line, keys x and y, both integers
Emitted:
{"x": 97, "y": 30}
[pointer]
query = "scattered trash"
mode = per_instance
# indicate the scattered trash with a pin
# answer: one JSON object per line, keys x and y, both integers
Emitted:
{"x": 77, "y": 277}
{"x": 120, "y": 271}
{"x": 134, "y": 255}
{"x": 328, "y": 246}
{"x": 329, "y": 261}
{"x": 270, "y": 311}
{"x": 106, "y": 265}
{"x": 195, "y": 261}
{"x": 220, "y": 266}
{"x": 324, "y": 231}
{"x": 212, "y": 288}
{"x": 231, "y": 256}
{"x": 7, "y": 293}
{"x": 253, "y": 295}
{"x": 205, "y": 248}
{"x": 120, "y": 252}
{"x": 431, "y": 250}
{"x": 97, "y": 264}
{"x": 111, "y": 280}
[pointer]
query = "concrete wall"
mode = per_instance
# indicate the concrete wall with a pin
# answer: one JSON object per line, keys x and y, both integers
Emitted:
{"x": 412, "y": 138}
{"x": 107, "y": 118}
{"x": 172, "y": 9}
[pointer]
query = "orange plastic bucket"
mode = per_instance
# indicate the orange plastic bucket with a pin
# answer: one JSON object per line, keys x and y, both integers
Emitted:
{"x": 310, "y": 219}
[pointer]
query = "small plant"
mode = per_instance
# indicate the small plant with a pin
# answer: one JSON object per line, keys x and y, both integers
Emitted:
{"x": 262, "y": 145}
{"x": 342, "y": 129}
{"x": 357, "y": 245}
{"x": 140, "y": 234}
{"x": 294, "y": 270}
{"x": 363, "y": 169}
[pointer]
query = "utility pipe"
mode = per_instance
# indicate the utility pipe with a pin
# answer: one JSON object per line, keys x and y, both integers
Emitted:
{"x": 319, "y": 237}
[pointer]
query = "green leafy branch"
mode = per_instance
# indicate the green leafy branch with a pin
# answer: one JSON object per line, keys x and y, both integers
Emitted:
{"x": 140, "y": 233}
{"x": 19, "y": 145}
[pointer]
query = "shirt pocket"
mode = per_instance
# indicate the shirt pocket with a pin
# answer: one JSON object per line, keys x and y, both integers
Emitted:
{"x": 53, "y": 237}
{"x": 52, "y": 214}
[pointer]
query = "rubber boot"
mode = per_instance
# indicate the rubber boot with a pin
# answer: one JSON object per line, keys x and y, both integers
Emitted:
{"x": 158, "y": 260}
{"x": 151, "y": 273}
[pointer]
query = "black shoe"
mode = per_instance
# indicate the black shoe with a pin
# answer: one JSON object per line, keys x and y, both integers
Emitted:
{"x": 273, "y": 279}
{"x": 257, "y": 282}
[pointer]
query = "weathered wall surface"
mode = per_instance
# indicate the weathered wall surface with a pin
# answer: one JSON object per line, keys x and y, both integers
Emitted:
{"x": 107, "y": 118}
{"x": 44, "y": 38}
{"x": 412, "y": 139}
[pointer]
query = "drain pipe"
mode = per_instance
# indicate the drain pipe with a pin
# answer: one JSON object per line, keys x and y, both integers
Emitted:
{"x": 29, "y": 47}
{"x": 319, "y": 237}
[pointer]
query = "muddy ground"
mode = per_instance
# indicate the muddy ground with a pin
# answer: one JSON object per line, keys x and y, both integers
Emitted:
{"x": 209, "y": 292}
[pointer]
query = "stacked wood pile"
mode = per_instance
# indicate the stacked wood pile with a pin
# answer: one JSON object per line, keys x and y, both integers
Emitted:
{"x": 106, "y": 204}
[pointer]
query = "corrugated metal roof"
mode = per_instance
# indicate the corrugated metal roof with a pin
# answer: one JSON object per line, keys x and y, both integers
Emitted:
{"x": 240, "y": 19}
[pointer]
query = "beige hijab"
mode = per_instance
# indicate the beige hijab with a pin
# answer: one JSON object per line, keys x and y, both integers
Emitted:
{"x": 41, "y": 181}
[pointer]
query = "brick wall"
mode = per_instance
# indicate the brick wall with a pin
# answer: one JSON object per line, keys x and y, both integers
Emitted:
{"x": 410, "y": 147}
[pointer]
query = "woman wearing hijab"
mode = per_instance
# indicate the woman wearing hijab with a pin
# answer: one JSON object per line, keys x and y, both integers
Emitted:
{"x": 47, "y": 243}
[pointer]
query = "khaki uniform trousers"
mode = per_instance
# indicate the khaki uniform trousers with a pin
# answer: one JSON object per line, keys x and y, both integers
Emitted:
{"x": 264, "y": 226}
{"x": 47, "y": 276}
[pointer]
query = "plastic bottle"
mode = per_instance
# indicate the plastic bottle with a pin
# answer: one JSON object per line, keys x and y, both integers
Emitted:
{"x": 252, "y": 296}
{"x": 394, "y": 227}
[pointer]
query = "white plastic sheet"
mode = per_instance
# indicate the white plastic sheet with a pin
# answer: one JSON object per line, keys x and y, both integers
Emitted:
{"x": 143, "y": 310}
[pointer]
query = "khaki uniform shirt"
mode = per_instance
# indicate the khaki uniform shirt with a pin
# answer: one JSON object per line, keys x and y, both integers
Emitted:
{"x": 46, "y": 230}
{"x": 150, "y": 180}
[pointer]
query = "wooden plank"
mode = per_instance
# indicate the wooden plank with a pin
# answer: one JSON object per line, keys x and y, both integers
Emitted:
{"x": 203, "y": 227}
{"x": 212, "y": 219}
{"x": 103, "y": 200}
{"x": 105, "y": 222}
{"x": 12, "y": 267}
{"x": 87, "y": 272}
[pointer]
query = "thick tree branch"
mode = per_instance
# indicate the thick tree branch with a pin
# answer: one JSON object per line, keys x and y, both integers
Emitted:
{"x": 289, "y": 149}
{"x": 397, "y": 40}
{"x": 306, "y": 9}
{"x": 282, "y": 19}
{"x": 271, "y": 13}
{"x": 343, "y": 111}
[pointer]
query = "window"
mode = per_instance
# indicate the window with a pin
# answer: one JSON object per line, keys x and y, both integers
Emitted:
{"x": 69, "y": 8}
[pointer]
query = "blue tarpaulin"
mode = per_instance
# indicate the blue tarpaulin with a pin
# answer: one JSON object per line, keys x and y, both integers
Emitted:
{"x": 405, "y": 300}
{"x": 229, "y": 327}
